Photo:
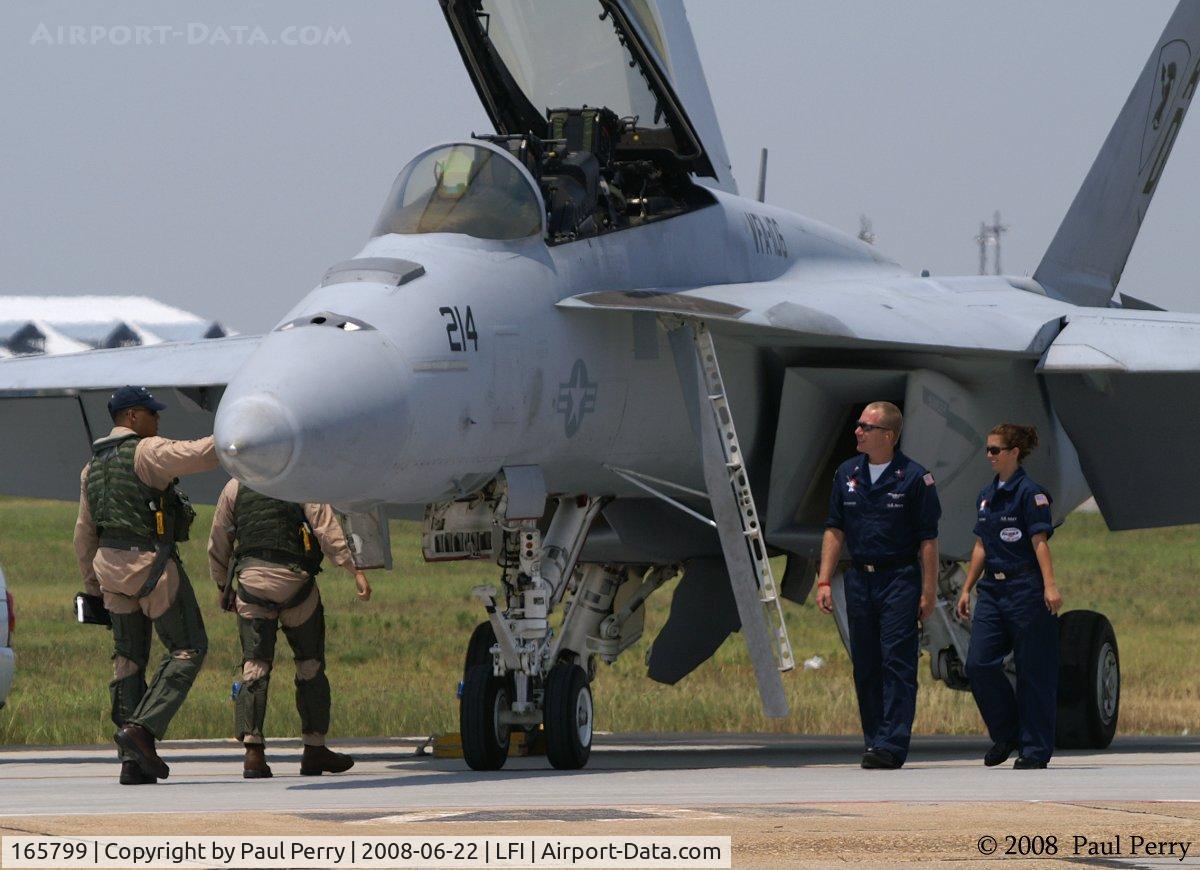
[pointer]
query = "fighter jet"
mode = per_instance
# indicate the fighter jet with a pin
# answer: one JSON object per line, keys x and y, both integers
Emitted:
{"x": 574, "y": 349}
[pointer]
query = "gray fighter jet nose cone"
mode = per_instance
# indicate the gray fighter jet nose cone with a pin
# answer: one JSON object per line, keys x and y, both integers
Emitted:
{"x": 255, "y": 439}
{"x": 316, "y": 414}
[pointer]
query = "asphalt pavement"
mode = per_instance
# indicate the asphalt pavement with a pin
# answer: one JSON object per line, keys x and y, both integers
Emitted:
{"x": 624, "y": 771}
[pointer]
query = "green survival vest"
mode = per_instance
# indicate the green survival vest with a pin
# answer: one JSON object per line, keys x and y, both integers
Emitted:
{"x": 131, "y": 515}
{"x": 127, "y": 512}
{"x": 274, "y": 531}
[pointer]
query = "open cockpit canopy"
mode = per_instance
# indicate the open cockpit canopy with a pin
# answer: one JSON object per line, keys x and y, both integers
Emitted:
{"x": 528, "y": 58}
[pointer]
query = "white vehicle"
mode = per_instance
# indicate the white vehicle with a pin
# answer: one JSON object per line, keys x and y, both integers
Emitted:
{"x": 8, "y": 620}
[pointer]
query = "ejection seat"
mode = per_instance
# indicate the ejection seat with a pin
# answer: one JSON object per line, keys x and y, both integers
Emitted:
{"x": 571, "y": 186}
{"x": 582, "y": 141}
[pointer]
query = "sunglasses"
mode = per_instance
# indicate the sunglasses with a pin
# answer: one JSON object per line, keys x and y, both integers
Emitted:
{"x": 870, "y": 427}
{"x": 993, "y": 450}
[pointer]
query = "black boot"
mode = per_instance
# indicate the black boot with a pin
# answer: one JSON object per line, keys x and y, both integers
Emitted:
{"x": 999, "y": 753}
{"x": 880, "y": 759}
{"x": 1024, "y": 763}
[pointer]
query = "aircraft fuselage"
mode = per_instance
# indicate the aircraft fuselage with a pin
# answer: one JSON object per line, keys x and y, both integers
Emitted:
{"x": 471, "y": 367}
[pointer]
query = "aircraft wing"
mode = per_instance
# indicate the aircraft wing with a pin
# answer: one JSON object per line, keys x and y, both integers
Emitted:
{"x": 52, "y": 407}
{"x": 1124, "y": 386}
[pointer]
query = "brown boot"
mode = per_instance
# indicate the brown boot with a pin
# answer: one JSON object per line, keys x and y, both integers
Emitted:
{"x": 131, "y": 774}
{"x": 139, "y": 743}
{"x": 320, "y": 759}
{"x": 255, "y": 766}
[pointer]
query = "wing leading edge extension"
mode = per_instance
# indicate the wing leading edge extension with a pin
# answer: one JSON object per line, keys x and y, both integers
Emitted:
{"x": 909, "y": 314}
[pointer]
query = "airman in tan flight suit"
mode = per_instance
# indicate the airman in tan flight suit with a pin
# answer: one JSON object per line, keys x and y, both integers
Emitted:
{"x": 130, "y": 519}
{"x": 270, "y": 552}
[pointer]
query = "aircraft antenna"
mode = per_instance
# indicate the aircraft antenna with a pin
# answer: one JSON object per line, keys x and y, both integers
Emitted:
{"x": 762, "y": 176}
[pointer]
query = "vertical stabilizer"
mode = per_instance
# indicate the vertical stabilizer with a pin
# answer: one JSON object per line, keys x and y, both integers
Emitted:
{"x": 1084, "y": 262}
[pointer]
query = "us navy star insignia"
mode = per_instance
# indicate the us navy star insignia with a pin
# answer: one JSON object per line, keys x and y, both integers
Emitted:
{"x": 576, "y": 398}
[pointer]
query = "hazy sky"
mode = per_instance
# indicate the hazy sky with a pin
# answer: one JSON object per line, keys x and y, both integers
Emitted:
{"x": 225, "y": 178}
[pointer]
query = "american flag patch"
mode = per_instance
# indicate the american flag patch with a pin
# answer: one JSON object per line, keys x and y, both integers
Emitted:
{"x": 1041, "y": 500}
{"x": 928, "y": 478}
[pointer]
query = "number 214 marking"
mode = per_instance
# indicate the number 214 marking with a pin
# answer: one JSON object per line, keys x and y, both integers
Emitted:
{"x": 464, "y": 329}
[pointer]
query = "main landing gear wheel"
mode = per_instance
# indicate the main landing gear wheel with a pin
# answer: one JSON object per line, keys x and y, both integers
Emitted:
{"x": 569, "y": 717}
{"x": 1089, "y": 681}
{"x": 484, "y": 739}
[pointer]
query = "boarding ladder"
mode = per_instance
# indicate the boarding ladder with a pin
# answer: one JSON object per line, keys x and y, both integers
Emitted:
{"x": 727, "y": 465}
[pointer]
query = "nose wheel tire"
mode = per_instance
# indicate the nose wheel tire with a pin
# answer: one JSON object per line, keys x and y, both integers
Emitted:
{"x": 479, "y": 647}
{"x": 1089, "y": 681}
{"x": 569, "y": 717}
{"x": 484, "y": 739}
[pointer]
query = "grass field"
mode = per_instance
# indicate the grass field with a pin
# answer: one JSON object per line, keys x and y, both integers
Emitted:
{"x": 394, "y": 662}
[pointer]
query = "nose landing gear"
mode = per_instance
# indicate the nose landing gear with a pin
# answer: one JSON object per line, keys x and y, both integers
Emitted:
{"x": 520, "y": 673}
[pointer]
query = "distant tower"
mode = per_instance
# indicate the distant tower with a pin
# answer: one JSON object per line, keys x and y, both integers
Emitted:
{"x": 989, "y": 236}
{"x": 866, "y": 233}
{"x": 996, "y": 230}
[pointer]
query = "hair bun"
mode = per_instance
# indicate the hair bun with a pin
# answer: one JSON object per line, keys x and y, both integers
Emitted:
{"x": 1024, "y": 438}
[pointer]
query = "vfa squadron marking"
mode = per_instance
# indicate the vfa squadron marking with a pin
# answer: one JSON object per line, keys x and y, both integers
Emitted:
{"x": 576, "y": 398}
{"x": 1169, "y": 95}
{"x": 768, "y": 238}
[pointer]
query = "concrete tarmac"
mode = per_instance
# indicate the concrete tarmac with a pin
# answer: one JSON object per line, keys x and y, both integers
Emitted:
{"x": 786, "y": 799}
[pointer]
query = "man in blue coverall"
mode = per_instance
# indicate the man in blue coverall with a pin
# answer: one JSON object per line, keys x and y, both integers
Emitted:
{"x": 885, "y": 508}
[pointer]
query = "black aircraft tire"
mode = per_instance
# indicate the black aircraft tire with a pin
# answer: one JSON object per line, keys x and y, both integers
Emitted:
{"x": 569, "y": 717}
{"x": 1089, "y": 681}
{"x": 479, "y": 647}
{"x": 484, "y": 740}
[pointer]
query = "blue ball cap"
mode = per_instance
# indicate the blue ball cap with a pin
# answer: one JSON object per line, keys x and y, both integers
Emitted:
{"x": 133, "y": 397}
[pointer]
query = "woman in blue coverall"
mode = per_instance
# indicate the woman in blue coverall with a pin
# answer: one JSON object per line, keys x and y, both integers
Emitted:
{"x": 1016, "y": 606}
